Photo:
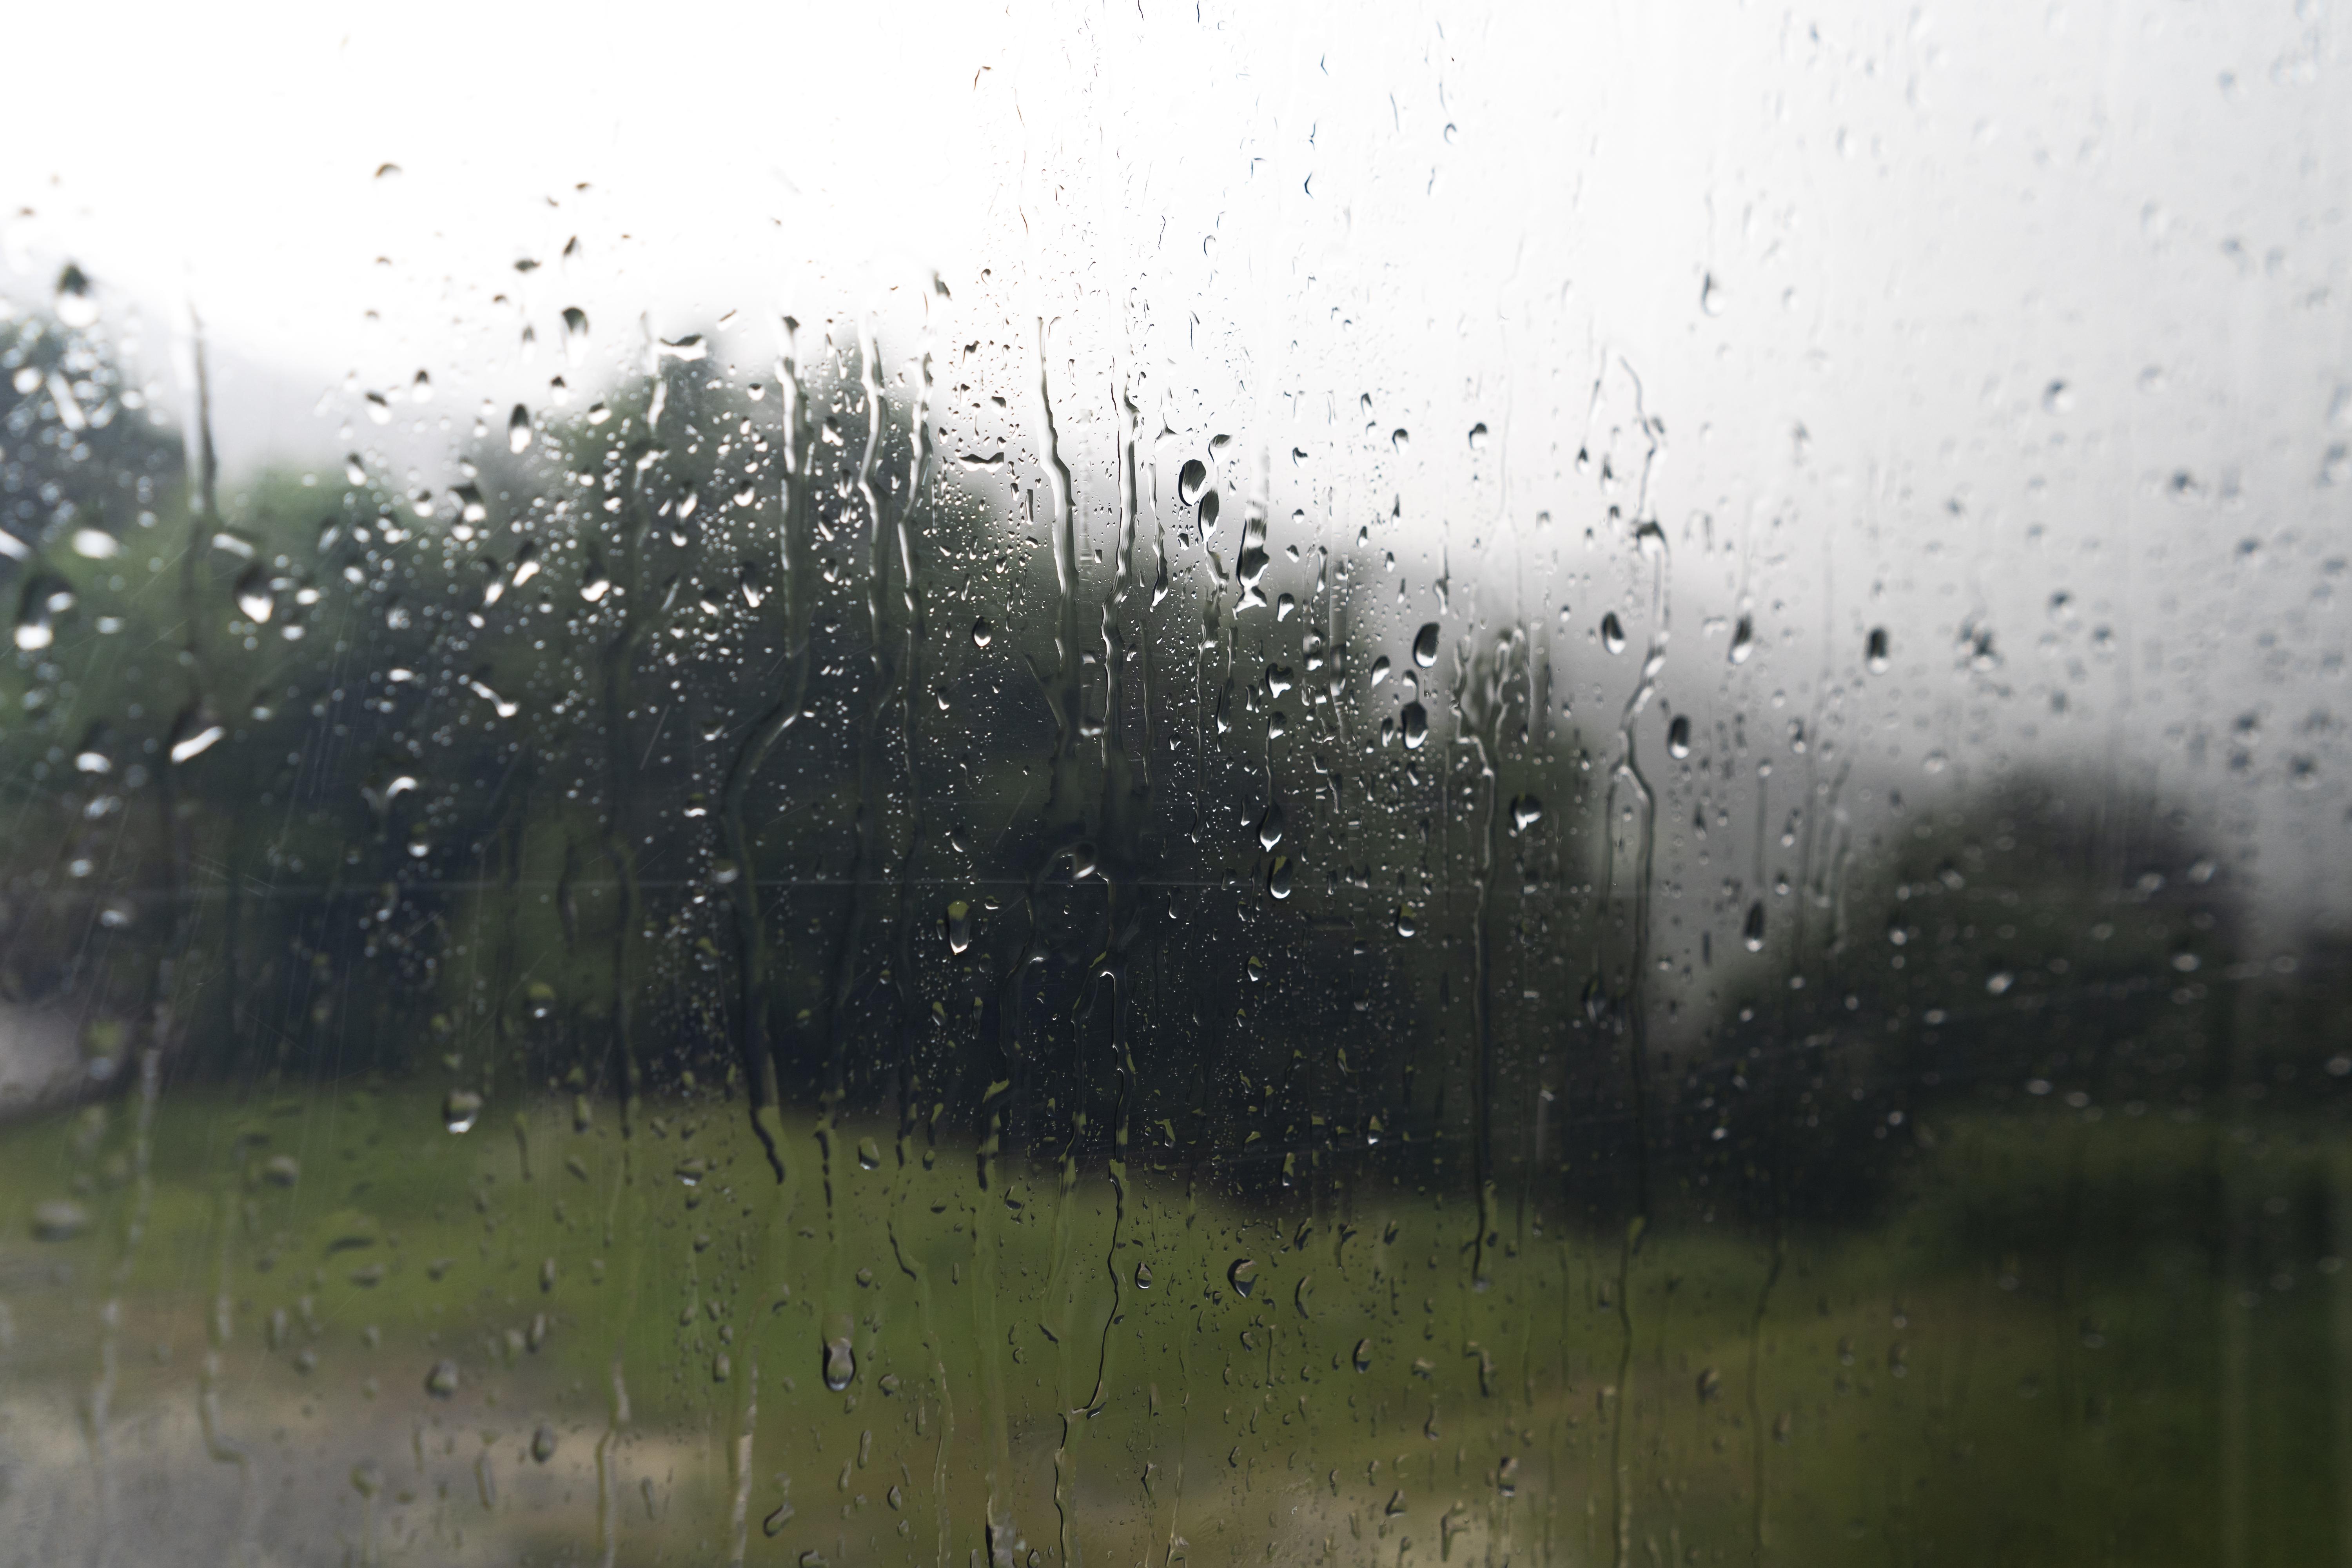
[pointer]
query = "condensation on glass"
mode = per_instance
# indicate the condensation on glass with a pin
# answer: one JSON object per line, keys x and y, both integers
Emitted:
{"x": 1178, "y": 787}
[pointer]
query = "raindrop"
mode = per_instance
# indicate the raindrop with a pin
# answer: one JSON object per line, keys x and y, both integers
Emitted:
{"x": 1209, "y": 508}
{"x": 1401, "y": 440}
{"x": 1751, "y": 930}
{"x": 74, "y": 306}
{"x": 959, "y": 925}
{"x": 37, "y": 617}
{"x": 840, "y": 1361}
{"x": 254, "y": 599}
{"x": 575, "y": 333}
{"x": 59, "y": 1219}
{"x": 1277, "y": 878}
{"x": 1143, "y": 1275}
{"x": 1678, "y": 736}
{"x": 1416, "y": 725}
{"x": 94, "y": 545}
{"x": 1191, "y": 479}
{"x": 1875, "y": 650}
{"x": 1478, "y": 438}
{"x": 194, "y": 735}
{"x": 1243, "y": 1275}
{"x": 1269, "y": 827}
{"x": 442, "y": 1381}
{"x": 1407, "y": 920}
{"x": 982, "y": 633}
{"x": 1612, "y": 633}
{"x": 542, "y": 1443}
{"x": 1710, "y": 296}
{"x": 461, "y": 1109}
{"x": 1525, "y": 812}
{"x": 519, "y": 430}
{"x": 1743, "y": 639}
{"x": 1363, "y": 1355}
{"x": 774, "y": 1525}
{"x": 1425, "y": 645}
{"x": 869, "y": 1154}
{"x": 1999, "y": 982}
{"x": 1379, "y": 669}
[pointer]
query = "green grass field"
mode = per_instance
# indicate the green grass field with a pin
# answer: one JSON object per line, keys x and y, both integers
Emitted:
{"x": 2077, "y": 1341}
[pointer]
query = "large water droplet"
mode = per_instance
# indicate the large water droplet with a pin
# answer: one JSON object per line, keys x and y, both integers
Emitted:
{"x": 461, "y": 1109}
{"x": 774, "y": 1525}
{"x": 36, "y": 616}
{"x": 1269, "y": 827}
{"x": 59, "y": 1219}
{"x": 1277, "y": 877}
{"x": 1191, "y": 479}
{"x": 542, "y": 1443}
{"x": 575, "y": 333}
{"x": 519, "y": 430}
{"x": 1425, "y": 645}
{"x": 1743, "y": 639}
{"x": 1415, "y": 720}
{"x": 1612, "y": 633}
{"x": 1525, "y": 812}
{"x": 869, "y": 1154}
{"x": 1408, "y": 920}
{"x": 840, "y": 1363}
{"x": 1678, "y": 736}
{"x": 1243, "y": 1275}
{"x": 442, "y": 1381}
{"x": 1751, "y": 930}
{"x": 1143, "y": 1275}
{"x": 1209, "y": 508}
{"x": 1379, "y": 669}
{"x": 1873, "y": 652}
{"x": 1710, "y": 296}
{"x": 959, "y": 925}
{"x": 1363, "y": 1355}
{"x": 982, "y": 633}
{"x": 194, "y": 734}
{"x": 73, "y": 303}
{"x": 1478, "y": 437}
{"x": 254, "y": 599}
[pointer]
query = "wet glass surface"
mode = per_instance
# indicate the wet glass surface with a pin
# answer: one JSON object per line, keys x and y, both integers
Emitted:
{"x": 1184, "y": 787}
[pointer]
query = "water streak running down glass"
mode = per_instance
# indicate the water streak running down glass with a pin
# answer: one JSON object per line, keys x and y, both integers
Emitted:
{"x": 1499, "y": 785}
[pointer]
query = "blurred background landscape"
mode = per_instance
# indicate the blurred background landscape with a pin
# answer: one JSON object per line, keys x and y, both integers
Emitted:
{"x": 1039, "y": 838}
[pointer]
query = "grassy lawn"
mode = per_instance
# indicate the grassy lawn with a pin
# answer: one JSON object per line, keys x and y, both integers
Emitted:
{"x": 332, "y": 1329}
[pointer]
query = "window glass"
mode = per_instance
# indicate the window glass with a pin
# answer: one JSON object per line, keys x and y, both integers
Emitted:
{"x": 1205, "y": 785}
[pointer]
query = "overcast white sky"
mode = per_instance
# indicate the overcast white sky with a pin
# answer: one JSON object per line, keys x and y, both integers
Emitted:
{"x": 1917, "y": 221}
